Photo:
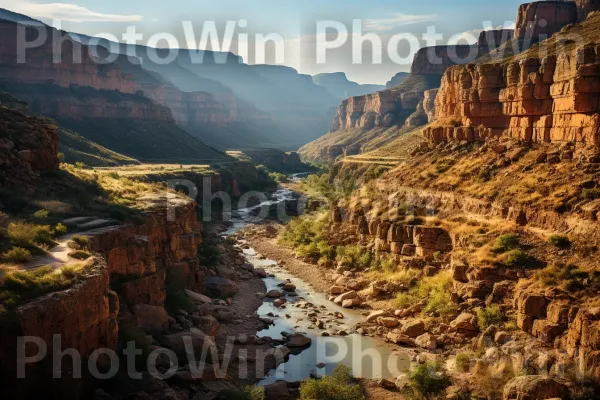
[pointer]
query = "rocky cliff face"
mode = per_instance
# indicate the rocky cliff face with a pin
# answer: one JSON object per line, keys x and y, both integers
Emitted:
{"x": 435, "y": 60}
{"x": 495, "y": 38}
{"x": 541, "y": 19}
{"x": 585, "y": 7}
{"x": 380, "y": 109}
{"x": 126, "y": 84}
{"x": 542, "y": 100}
{"x": 28, "y": 147}
{"x": 134, "y": 260}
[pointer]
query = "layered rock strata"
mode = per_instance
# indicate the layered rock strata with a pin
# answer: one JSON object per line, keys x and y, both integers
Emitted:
{"x": 554, "y": 99}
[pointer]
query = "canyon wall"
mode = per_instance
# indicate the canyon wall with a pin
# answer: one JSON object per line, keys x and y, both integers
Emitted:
{"x": 554, "y": 99}
{"x": 541, "y": 19}
{"x": 28, "y": 147}
{"x": 131, "y": 265}
{"x": 124, "y": 84}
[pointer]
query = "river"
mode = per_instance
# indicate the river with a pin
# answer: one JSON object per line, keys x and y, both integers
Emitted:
{"x": 369, "y": 358}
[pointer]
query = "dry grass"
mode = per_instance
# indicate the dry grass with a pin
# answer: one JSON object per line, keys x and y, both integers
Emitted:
{"x": 18, "y": 286}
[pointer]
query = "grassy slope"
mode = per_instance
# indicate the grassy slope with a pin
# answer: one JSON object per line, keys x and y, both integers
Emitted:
{"x": 77, "y": 148}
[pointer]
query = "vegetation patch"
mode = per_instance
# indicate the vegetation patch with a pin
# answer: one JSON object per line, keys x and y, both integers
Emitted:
{"x": 17, "y": 255}
{"x": 17, "y": 287}
{"x": 489, "y": 316}
{"x": 429, "y": 380}
{"x": 339, "y": 386}
{"x": 560, "y": 241}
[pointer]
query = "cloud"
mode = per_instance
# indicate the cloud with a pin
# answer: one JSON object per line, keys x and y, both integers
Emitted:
{"x": 65, "y": 12}
{"x": 398, "y": 19}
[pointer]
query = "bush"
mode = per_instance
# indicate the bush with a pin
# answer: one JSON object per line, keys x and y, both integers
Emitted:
{"x": 41, "y": 214}
{"x": 519, "y": 258}
{"x": 340, "y": 386}
{"x": 79, "y": 165}
{"x": 60, "y": 230}
{"x": 507, "y": 242}
{"x": 560, "y": 241}
{"x": 26, "y": 235}
{"x": 566, "y": 276}
{"x": 489, "y": 316}
{"x": 81, "y": 241}
{"x": 435, "y": 289}
{"x": 114, "y": 175}
{"x": 80, "y": 255}
{"x": 429, "y": 380}
{"x": 463, "y": 362}
{"x": 17, "y": 255}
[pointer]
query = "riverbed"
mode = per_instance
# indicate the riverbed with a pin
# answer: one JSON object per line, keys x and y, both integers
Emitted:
{"x": 329, "y": 326}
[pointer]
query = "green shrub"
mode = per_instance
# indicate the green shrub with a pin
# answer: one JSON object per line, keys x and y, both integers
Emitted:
{"x": 41, "y": 214}
{"x": 519, "y": 258}
{"x": 566, "y": 276}
{"x": 81, "y": 241}
{"x": 463, "y": 362}
{"x": 79, "y": 165}
{"x": 489, "y": 316}
{"x": 79, "y": 255}
{"x": 507, "y": 242}
{"x": 17, "y": 255}
{"x": 340, "y": 386}
{"x": 114, "y": 175}
{"x": 26, "y": 235}
{"x": 560, "y": 241}
{"x": 60, "y": 230}
{"x": 429, "y": 380}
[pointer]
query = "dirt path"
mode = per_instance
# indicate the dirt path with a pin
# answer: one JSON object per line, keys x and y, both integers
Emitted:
{"x": 55, "y": 257}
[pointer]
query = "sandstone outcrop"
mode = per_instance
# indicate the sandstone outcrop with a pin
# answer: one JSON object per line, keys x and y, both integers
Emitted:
{"x": 527, "y": 98}
{"x": 84, "y": 318}
{"x": 541, "y": 19}
{"x": 28, "y": 147}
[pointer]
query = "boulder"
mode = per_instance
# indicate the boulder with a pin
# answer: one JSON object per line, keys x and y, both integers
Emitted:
{"x": 198, "y": 298}
{"x": 196, "y": 339}
{"x": 350, "y": 303}
{"x": 377, "y": 314}
{"x": 260, "y": 272}
{"x": 388, "y": 322}
{"x": 151, "y": 319}
{"x": 274, "y": 294}
{"x": 534, "y": 388}
{"x": 336, "y": 290}
{"x": 345, "y": 296}
{"x": 465, "y": 323}
{"x": 426, "y": 341}
{"x": 399, "y": 338}
{"x": 217, "y": 286}
{"x": 414, "y": 328}
{"x": 298, "y": 340}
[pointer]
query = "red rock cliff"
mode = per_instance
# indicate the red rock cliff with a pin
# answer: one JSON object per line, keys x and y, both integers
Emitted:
{"x": 544, "y": 18}
{"x": 554, "y": 99}
{"x": 28, "y": 147}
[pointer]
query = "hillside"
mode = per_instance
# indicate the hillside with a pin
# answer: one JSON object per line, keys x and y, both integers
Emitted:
{"x": 77, "y": 149}
{"x": 338, "y": 85}
{"x": 363, "y": 123}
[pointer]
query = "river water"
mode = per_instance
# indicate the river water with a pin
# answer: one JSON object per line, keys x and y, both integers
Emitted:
{"x": 368, "y": 357}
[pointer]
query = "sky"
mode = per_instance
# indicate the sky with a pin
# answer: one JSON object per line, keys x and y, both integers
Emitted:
{"x": 388, "y": 26}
